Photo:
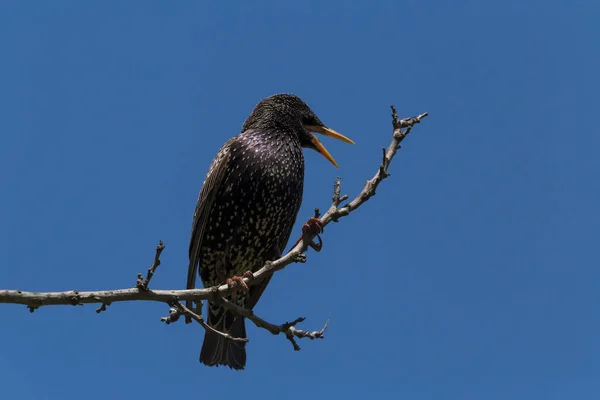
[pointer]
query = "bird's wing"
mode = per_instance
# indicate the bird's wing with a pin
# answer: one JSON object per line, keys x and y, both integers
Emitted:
{"x": 206, "y": 198}
{"x": 257, "y": 290}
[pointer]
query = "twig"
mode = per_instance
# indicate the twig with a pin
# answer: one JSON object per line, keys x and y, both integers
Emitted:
{"x": 142, "y": 284}
{"x": 335, "y": 212}
{"x": 102, "y": 307}
{"x": 174, "y": 315}
{"x": 288, "y": 328}
{"x": 183, "y": 310}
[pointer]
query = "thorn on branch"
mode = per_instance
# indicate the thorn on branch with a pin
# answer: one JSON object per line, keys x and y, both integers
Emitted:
{"x": 299, "y": 258}
{"x": 174, "y": 315}
{"x": 32, "y": 308}
{"x": 317, "y": 213}
{"x": 141, "y": 283}
{"x": 102, "y": 307}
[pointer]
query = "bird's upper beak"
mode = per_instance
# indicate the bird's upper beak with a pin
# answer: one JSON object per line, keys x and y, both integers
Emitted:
{"x": 326, "y": 132}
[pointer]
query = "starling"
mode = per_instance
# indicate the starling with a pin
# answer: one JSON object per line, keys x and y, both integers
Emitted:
{"x": 246, "y": 210}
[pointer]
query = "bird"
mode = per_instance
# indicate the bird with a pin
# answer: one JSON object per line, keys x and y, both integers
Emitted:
{"x": 246, "y": 210}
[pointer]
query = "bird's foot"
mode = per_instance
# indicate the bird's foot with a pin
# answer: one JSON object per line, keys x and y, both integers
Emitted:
{"x": 238, "y": 284}
{"x": 312, "y": 226}
{"x": 317, "y": 246}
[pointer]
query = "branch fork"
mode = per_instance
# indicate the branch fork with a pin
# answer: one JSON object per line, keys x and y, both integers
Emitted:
{"x": 142, "y": 283}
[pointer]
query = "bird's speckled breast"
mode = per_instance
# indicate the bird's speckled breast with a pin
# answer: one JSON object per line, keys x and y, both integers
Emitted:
{"x": 255, "y": 206}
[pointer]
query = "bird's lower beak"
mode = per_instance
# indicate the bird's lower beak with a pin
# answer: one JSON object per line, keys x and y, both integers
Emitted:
{"x": 326, "y": 132}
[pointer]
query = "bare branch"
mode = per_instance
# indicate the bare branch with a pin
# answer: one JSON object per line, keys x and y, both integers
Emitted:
{"x": 33, "y": 300}
{"x": 142, "y": 284}
{"x": 335, "y": 212}
{"x": 183, "y": 310}
{"x": 36, "y": 299}
{"x": 288, "y": 328}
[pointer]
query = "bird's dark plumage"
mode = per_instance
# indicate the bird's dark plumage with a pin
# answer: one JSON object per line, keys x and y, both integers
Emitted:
{"x": 246, "y": 210}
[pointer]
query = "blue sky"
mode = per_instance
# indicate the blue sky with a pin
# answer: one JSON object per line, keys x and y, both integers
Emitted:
{"x": 471, "y": 275}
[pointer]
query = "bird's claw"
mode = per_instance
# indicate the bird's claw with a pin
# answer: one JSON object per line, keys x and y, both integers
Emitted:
{"x": 238, "y": 284}
{"x": 317, "y": 246}
{"x": 312, "y": 226}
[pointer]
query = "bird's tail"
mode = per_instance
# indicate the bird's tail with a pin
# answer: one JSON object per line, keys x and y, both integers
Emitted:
{"x": 217, "y": 350}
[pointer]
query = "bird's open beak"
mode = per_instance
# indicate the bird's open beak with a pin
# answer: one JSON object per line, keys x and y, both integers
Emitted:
{"x": 326, "y": 132}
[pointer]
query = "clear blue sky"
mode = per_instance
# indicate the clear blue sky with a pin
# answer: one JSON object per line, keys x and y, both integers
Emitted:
{"x": 471, "y": 275}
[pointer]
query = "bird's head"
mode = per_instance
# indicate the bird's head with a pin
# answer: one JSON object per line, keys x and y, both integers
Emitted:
{"x": 290, "y": 115}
